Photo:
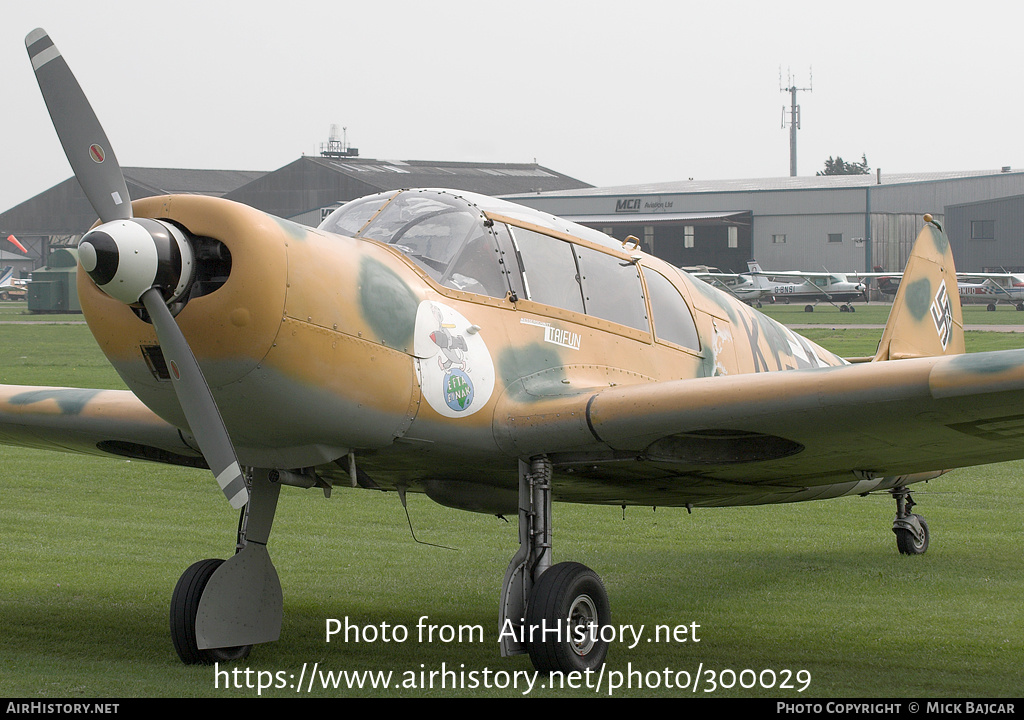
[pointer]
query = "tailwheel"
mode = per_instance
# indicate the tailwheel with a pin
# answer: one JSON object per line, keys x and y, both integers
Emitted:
{"x": 184, "y": 609}
{"x": 567, "y": 609}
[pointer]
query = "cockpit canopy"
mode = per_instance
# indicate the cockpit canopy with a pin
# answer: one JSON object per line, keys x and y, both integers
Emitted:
{"x": 482, "y": 245}
{"x": 446, "y": 235}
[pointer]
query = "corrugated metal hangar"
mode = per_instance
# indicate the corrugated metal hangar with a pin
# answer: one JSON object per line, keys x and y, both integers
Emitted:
{"x": 303, "y": 191}
{"x": 843, "y": 223}
{"x": 987, "y": 236}
{"x": 306, "y": 190}
{"x": 60, "y": 215}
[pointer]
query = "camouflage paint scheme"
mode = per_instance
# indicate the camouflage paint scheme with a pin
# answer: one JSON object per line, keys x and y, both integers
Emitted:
{"x": 316, "y": 346}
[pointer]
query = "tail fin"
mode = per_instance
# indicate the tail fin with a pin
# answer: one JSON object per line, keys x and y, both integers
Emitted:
{"x": 926, "y": 318}
{"x": 760, "y": 281}
{"x": 6, "y": 275}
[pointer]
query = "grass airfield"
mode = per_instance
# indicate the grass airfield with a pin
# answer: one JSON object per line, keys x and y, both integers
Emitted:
{"x": 90, "y": 550}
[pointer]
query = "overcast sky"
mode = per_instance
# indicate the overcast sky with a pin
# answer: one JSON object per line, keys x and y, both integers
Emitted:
{"x": 608, "y": 92}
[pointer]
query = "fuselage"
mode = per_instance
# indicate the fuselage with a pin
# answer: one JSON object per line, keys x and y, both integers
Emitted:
{"x": 436, "y": 338}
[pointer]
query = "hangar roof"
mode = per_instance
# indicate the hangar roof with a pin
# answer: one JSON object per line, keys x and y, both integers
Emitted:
{"x": 810, "y": 182}
{"x": 311, "y": 183}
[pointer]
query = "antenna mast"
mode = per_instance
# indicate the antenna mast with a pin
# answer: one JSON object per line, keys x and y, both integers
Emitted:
{"x": 794, "y": 115}
{"x": 338, "y": 147}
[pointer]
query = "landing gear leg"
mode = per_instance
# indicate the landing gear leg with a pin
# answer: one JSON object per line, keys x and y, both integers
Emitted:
{"x": 553, "y": 612}
{"x": 911, "y": 529}
{"x": 220, "y": 609}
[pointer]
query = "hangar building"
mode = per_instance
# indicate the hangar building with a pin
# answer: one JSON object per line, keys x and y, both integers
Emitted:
{"x": 988, "y": 235}
{"x": 844, "y": 223}
{"x": 60, "y": 215}
{"x": 304, "y": 191}
{"x": 308, "y": 189}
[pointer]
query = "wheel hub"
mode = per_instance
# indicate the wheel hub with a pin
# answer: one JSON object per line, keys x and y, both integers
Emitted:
{"x": 582, "y": 621}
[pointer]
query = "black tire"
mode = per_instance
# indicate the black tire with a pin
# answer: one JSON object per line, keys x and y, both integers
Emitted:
{"x": 185, "y": 606}
{"x": 991, "y": 307}
{"x": 908, "y": 544}
{"x": 568, "y": 596}
{"x": 808, "y": 308}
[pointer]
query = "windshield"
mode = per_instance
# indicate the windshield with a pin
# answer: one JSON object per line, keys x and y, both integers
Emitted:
{"x": 444, "y": 234}
{"x": 350, "y": 218}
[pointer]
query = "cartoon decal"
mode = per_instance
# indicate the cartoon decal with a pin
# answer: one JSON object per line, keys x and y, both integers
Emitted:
{"x": 455, "y": 367}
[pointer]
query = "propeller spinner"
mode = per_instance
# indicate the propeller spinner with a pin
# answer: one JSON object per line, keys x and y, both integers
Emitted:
{"x": 134, "y": 260}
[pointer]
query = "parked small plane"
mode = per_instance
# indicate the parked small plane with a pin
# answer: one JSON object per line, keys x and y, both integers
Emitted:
{"x": 748, "y": 287}
{"x": 987, "y": 288}
{"x": 491, "y": 356}
{"x": 990, "y": 289}
{"x": 757, "y": 284}
{"x": 10, "y": 286}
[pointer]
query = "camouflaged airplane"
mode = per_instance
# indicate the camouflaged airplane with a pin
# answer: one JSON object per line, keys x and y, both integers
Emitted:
{"x": 490, "y": 356}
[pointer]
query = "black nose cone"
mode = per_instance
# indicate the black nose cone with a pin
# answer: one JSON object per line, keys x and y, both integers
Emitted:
{"x": 99, "y": 257}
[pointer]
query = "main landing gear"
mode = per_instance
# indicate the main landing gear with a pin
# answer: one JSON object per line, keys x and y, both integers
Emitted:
{"x": 219, "y": 608}
{"x": 911, "y": 529}
{"x": 553, "y": 612}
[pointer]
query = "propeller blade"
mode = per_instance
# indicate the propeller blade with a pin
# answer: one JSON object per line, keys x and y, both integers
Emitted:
{"x": 134, "y": 260}
{"x": 197, "y": 401}
{"x": 86, "y": 145}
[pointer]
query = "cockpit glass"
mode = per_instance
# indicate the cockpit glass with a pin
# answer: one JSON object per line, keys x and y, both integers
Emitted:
{"x": 431, "y": 229}
{"x": 442, "y": 233}
{"x": 351, "y": 217}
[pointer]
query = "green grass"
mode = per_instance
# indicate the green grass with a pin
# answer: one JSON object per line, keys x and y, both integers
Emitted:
{"x": 856, "y": 342}
{"x": 877, "y": 313}
{"x": 17, "y": 311}
{"x": 90, "y": 550}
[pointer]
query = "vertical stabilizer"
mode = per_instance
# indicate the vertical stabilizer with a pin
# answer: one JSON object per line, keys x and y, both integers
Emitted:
{"x": 926, "y": 318}
{"x": 757, "y": 277}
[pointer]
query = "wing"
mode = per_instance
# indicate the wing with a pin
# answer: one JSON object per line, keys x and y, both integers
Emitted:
{"x": 95, "y": 422}
{"x": 986, "y": 276}
{"x": 782, "y": 436}
{"x": 794, "y": 274}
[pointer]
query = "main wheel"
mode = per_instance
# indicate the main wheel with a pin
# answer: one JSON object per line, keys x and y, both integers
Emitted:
{"x": 184, "y": 608}
{"x": 908, "y": 544}
{"x": 569, "y": 598}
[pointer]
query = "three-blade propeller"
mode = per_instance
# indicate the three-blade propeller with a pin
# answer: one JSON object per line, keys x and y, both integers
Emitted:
{"x": 135, "y": 260}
